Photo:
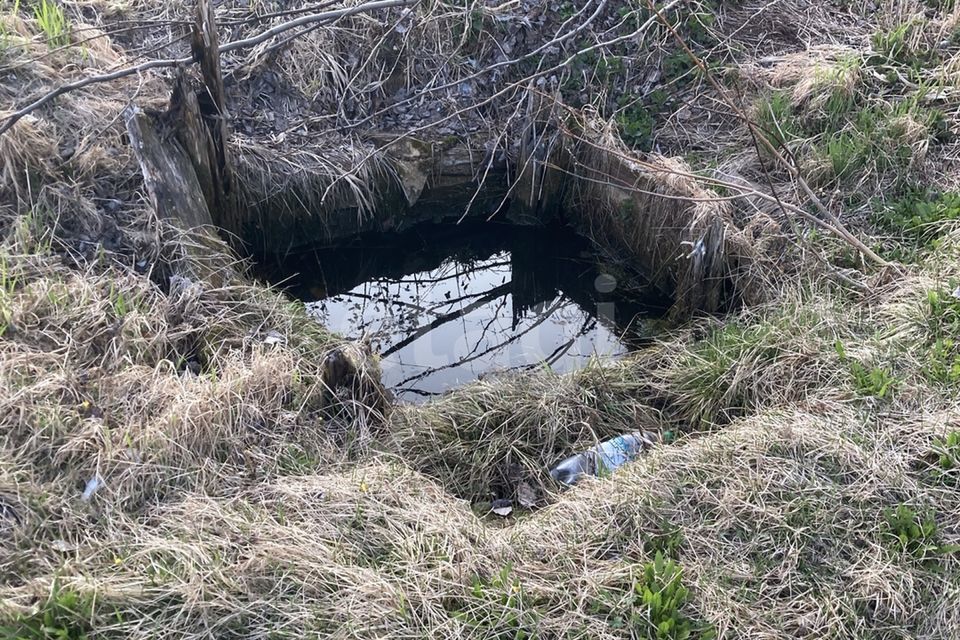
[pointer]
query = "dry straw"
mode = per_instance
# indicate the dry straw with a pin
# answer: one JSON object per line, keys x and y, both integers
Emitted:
{"x": 175, "y": 460}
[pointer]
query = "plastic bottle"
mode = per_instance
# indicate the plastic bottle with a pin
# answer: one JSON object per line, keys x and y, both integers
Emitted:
{"x": 603, "y": 458}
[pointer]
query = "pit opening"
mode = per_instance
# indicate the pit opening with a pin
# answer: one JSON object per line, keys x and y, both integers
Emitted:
{"x": 445, "y": 304}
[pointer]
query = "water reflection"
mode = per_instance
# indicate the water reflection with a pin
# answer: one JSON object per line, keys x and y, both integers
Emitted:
{"x": 448, "y": 304}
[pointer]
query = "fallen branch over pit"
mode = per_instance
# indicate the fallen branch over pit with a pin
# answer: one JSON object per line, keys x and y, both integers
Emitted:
{"x": 313, "y": 18}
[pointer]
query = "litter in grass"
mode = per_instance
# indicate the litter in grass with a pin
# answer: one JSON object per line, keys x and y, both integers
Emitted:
{"x": 604, "y": 458}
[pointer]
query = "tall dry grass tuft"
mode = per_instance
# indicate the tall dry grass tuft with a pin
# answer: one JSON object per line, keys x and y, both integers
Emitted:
{"x": 110, "y": 379}
{"x": 660, "y": 217}
{"x": 311, "y": 186}
{"x": 486, "y": 439}
{"x": 26, "y": 151}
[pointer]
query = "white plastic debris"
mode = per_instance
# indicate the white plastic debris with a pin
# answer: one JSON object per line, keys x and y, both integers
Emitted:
{"x": 502, "y": 508}
{"x": 93, "y": 484}
{"x": 603, "y": 458}
{"x": 63, "y": 546}
{"x": 273, "y": 338}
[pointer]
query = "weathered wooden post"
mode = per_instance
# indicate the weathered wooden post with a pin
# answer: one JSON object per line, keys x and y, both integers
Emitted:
{"x": 184, "y": 158}
{"x": 207, "y": 125}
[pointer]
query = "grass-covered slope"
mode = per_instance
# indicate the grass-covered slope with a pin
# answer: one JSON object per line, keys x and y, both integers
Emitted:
{"x": 172, "y": 464}
{"x": 812, "y": 490}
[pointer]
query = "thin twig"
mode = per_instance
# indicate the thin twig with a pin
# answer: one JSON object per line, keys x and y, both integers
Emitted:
{"x": 13, "y": 118}
{"x": 79, "y": 84}
{"x": 839, "y": 229}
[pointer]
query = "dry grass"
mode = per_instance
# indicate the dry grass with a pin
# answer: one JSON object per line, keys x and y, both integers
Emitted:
{"x": 485, "y": 439}
{"x": 679, "y": 233}
{"x": 232, "y": 493}
{"x": 335, "y": 190}
{"x": 778, "y": 522}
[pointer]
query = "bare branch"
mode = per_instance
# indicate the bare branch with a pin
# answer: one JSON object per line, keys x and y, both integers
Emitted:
{"x": 324, "y": 16}
{"x": 758, "y": 135}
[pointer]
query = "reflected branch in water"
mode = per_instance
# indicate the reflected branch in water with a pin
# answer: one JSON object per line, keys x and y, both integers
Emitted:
{"x": 387, "y": 301}
{"x": 486, "y": 327}
{"x": 493, "y": 294}
{"x": 500, "y": 345}
{"x": 588, "y": 324}
{"x": 489, "y": 265}
{"x": 451, "y": 301}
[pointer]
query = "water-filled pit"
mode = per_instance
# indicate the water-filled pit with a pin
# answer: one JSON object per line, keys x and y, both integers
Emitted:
{"x": 447, "y": 304}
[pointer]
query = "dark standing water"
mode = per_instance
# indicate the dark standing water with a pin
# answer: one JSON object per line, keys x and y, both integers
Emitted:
{"x": 447, "y": 304}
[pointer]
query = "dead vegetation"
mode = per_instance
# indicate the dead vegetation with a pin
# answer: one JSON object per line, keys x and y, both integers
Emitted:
{"x": 223, "y": 504}
{"x": 175, "y": 459}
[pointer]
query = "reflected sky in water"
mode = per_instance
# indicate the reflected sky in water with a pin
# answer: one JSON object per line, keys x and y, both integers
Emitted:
{"x": 447, "y": 306}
